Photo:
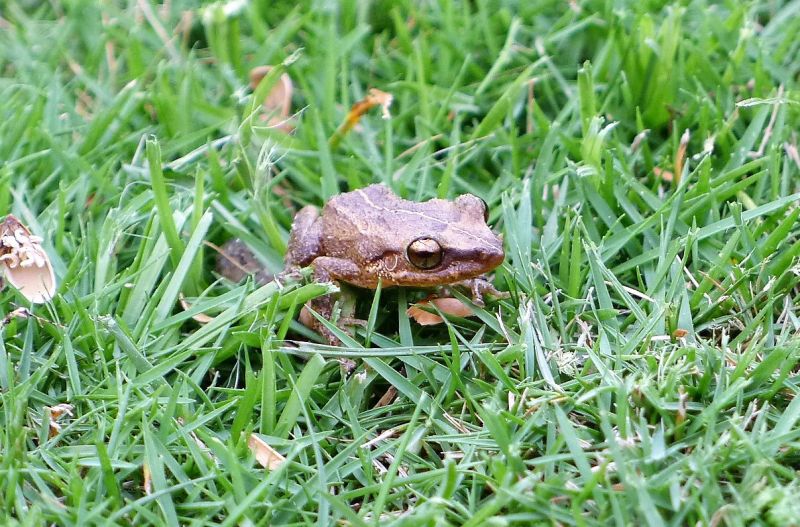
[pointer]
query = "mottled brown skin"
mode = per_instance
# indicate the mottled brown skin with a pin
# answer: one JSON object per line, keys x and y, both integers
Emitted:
{"x": 363, "y": 237}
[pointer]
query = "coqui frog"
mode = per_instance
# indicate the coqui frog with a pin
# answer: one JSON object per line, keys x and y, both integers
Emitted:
{"x": 371, "y": 235}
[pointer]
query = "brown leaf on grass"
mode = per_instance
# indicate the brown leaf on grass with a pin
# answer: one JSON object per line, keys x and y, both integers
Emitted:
{"x": 266, "y": 456}
{"x": 25, "y": 264}
{"x": 55, "y": 413}
{"x": 448, "y": 306}
{"x": 61, "y": 409}
{"x": 666, "y": 175}
{"x": 53, "y": 429}
{"x": 375, "y": 97}
{"x": 680, "y": 156}
{"x": 306, "y": 318}
{"x": 682, "y": 405}
{"x": 148, "y": 482}
{"x": 235, "y": 261}
{"x": 680, "y": 333}
{"x": 277, "y": 104}
{"x": 20, "y": 312}
{"x": 202, "y": 318}
{"x": 383, "y": 99}
{"x": 387, "y": 398}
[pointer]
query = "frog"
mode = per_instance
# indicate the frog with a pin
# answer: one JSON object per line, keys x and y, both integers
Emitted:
{"x": 371, "y": 236}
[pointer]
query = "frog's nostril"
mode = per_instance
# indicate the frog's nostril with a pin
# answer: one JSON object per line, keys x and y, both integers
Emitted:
{"x": 493, "y": 256}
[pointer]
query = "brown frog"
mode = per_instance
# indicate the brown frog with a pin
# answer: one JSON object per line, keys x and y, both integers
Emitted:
{"x": 371, "y": 235}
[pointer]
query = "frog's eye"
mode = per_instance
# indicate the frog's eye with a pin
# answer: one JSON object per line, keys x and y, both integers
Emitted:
{"x": 424, "y": 253}
{"x": 485, "y": 210}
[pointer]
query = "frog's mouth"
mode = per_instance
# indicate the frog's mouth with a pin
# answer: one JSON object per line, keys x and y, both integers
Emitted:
{"x": 454, "y": 266}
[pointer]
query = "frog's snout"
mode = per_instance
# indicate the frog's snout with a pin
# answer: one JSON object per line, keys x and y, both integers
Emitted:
{"x": 493, "y": 256}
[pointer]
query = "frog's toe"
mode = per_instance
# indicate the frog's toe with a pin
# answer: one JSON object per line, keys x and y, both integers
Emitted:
{"x": 480, "y": 287}
{"x": 350, "y": 321}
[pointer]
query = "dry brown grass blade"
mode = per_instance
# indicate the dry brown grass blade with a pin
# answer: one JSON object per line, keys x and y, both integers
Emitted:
{"x": 387, "y": 398}
{"x": 148, "y": 482}
{"x": 375, "y": 97}
{"x": 680, "y": 156}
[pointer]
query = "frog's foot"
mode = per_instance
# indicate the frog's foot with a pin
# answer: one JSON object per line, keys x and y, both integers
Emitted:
{"x": 320, "y": 305}
{"x": 328, "y": 269}
{"x": 236, "y": 260}
{"x": 304, "y": 239}
{"x": 351, "y": 321}
{"x": 347, "y": 366}
{"x": 481, "y": 286}
{"x": 289, "y": 274}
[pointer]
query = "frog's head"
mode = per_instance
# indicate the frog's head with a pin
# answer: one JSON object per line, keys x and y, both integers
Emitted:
{"x": 444, "y": 252}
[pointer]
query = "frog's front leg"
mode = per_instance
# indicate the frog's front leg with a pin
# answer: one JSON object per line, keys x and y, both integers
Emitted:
{"x": 480, "y": 286}
{"x": 329, "y": 269}
{"x": 305, "y": 239}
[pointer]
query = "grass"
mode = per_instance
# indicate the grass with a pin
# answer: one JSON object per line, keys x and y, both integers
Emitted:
{"x": 644, "y": 370}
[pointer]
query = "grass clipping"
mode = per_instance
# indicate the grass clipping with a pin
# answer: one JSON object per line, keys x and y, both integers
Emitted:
{"x": 24, "y": 263}
{"x": 374, "y": 97}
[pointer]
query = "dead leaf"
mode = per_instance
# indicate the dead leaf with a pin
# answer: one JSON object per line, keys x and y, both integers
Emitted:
{"x": 680, "y": 333}
{"x": 55, "y": 413}
{"x": 458, "y": 425}
{"x": 306, "y": 318}
{"x": 148, "y": 482}
{"x": 448, "y": 306}
{"x": 24, "y": 262}
{"x": 666, "y": 175}
{"x": 235, "y": 261}
{"x": 383, "y": 99}
{"x": 680, "y": 156}
{"x": 61, "y": 409}
{"x": 266, "y": 456}
{"x": 375, "y": 97}
{"x": 202, "y": 318}
{"x": 387, "y": 397}
{"x": 682, "y": 405}
{"x": 53, "y": 429}
{"x": 20, "y": 312}
{"x": 278, "y": 102}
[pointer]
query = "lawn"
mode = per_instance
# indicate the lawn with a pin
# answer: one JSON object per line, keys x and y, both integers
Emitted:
{"x": 640, "y": 158}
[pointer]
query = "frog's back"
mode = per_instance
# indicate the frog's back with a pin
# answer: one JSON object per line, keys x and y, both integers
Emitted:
{"x": 367, "y": 223}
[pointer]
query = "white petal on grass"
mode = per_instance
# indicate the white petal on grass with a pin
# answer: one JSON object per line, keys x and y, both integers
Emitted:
{"x": 24, "y": 262}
